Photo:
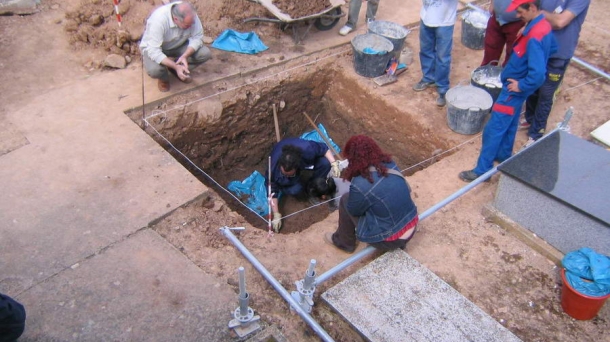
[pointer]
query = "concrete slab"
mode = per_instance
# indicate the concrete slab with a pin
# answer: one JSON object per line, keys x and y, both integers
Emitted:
{"x": 395, "y": 298}
{"x": 141, "y": 289}
{"x": 88, "y": 178}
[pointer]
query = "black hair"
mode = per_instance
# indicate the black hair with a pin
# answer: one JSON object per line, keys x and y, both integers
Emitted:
{"x": 290, "y": 158}
{"x": 319, "y": 187}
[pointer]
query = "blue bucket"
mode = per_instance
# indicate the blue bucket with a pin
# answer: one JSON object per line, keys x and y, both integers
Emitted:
{"x": 372, "y": 53}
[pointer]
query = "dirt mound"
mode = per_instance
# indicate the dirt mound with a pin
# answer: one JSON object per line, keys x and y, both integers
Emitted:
{"x": 298, "y": 9}
{"x": 93, "y": 23}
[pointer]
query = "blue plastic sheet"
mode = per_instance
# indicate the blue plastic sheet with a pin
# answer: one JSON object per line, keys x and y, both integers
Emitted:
{"x": 314, "y": 136}
{"x": 588, "y": 272}
{"x": 248, "y": 43}
{"x": 253, "y": 190}
{"x": 371, "y": 51}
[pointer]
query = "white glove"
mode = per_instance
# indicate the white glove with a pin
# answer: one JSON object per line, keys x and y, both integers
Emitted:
{"x": 277, "y": 222}
{"x": 335, "y": 170}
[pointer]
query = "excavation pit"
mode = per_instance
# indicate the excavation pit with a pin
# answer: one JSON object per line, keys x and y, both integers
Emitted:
{"x": 223, "y": 131}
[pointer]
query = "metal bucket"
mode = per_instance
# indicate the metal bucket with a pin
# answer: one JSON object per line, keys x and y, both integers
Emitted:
{"x": 474, "y": 24}
{"x": 487, "y": 77}
{"x": 393, "y": 32}
{"x": 371, "y": 54}
{"x": 468, "y": 108}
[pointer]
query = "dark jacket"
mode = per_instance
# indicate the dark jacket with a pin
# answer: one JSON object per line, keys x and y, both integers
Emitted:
{"x": 311, "y": 151}
{"x": 12, "y": 319}
{"x": 384, "y": 207}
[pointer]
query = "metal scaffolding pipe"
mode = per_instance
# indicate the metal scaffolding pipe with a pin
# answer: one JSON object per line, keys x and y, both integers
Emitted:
{"x": 276, "y": 285}
{"x": 590, "y": 67}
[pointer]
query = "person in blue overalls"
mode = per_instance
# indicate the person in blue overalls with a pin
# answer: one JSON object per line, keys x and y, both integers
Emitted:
{"x": 289, "y": 157}
{"x": 524, "y": 73}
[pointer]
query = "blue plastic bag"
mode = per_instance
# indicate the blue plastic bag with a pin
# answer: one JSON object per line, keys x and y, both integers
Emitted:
{"x": 314, "y": 136}
{"x": 588, "y": 272}
{"x": 234, "y": 41}
{"x": 254, "y": 188}
{"x": 371, "y": 51}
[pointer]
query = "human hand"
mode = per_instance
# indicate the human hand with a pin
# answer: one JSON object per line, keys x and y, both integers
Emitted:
{"x": 277, "y": 222}
{"x": 183, "y": 61}
{"x": 513, "y": 85}
{"x": 182, "y": 72}
{"x": 335, "y": 170}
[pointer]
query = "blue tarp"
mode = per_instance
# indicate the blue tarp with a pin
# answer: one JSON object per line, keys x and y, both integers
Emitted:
{"x": 234, "y": 41}
{"x": 314, "y": 136}
{"x": 588, "y": 272}
{"x": 252, "y": 191}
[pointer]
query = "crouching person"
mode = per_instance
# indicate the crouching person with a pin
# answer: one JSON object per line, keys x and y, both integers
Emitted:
{"x": 378, "y": 208}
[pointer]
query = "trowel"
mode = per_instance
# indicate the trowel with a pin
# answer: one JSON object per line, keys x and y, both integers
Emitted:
{"x": 391, "y": 74}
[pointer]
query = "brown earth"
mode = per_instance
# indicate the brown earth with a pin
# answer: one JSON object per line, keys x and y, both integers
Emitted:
{"x": 514, "y": 284}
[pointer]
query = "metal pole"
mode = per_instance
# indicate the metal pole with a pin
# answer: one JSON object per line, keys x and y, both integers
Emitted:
{"x": 591, "y": 67}
{"x": 276, "y": 285}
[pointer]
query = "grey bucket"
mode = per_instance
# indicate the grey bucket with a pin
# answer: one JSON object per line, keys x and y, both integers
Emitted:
{"x": 371, "y": 64}
{"x": 468, "y": 108}
{"x": 487, "y": 77}
{"x": 474, "y": 24}
{"x": 393, "y": 32}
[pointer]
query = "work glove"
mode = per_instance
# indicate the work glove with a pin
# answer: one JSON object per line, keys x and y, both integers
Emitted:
{"x": 335, "y": 170}
{"x": 277, "y": 222}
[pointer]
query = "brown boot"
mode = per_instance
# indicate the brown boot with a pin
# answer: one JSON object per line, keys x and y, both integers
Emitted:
{"x": 163, "y": 85}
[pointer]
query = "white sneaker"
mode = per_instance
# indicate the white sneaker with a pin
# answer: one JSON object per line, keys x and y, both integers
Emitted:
{"x": 345, "y": 30}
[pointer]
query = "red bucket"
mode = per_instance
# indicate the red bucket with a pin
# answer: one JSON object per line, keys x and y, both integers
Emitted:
{"x": 578, "y": 305}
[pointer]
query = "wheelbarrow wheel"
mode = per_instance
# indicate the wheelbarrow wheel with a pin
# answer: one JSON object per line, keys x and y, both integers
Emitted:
{"x": 325, "y": 24}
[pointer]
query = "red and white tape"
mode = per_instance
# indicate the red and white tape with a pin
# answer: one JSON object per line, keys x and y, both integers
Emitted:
{"x": 116, "y": 9}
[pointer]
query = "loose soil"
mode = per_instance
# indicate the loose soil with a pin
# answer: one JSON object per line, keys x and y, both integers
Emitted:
{"x": 508, "y": 280}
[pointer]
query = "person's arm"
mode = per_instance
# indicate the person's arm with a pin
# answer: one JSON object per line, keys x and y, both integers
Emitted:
{"x": 195, "y": 42}
{"x": 329, "y": 156}
{"x": 559, "y": 20}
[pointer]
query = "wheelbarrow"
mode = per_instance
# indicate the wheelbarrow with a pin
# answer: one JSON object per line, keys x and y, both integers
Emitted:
{"x": 323, "y": 21}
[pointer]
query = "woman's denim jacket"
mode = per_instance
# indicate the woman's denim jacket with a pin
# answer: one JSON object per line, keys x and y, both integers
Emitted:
{"x": 383, "y": 207}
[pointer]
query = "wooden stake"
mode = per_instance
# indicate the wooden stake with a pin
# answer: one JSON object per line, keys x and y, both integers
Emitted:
{"x": 277, "y": 126}
{"x": 321, "y": 135}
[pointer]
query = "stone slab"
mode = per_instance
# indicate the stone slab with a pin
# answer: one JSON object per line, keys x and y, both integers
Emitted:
{"x": 557, "y": 223}
{"x": 568, "y": 168}
{"x": 395, "y": 298}
{"x": 141, "y": 289}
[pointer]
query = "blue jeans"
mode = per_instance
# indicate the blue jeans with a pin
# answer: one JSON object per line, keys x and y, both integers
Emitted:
{"x": 499, "y": 132}
{"x": 435, "y": 55}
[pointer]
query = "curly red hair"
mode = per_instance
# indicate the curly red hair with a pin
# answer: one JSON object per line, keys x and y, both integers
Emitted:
{"x": 362, "y": 152}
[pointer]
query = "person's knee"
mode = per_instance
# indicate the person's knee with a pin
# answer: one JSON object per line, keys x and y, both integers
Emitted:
{"x": 202, "y": 55}
{"x": 156, "y": 71}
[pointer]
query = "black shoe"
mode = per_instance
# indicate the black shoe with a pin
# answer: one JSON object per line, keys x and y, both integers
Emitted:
{"x": 441, "y": 101}
{"x": 421, "y": 85}
{"x": 468, "y": 176}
